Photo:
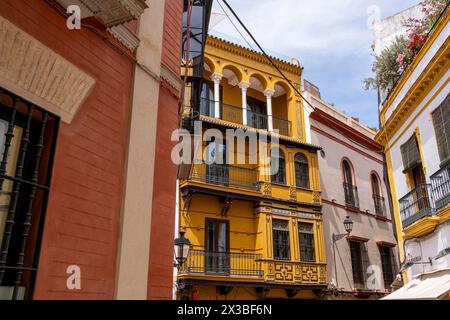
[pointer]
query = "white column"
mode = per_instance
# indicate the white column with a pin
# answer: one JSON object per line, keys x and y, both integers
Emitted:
{"x": 269, "y": 94}
{"x": 244, "y": 86}
{"x": 217, "y": 78}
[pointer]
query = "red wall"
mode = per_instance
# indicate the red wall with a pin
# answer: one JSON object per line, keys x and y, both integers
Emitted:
{"x": 164, "y": 197}
{"x": 85, "y": 199}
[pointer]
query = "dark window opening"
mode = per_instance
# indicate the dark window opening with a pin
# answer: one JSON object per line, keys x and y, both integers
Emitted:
{"x": 306, "y": 240}
{"x": 278, "y": 165}
{"x": 350, "y": 190}
{"x": 217, "y": 247}
{"x": 441, "y": 122}
{"x": 302, "y": 171}
{"x": 28, "y": 136}
{"x": 281, "y": 241}
{"x": 388, "y": 266}
{"x": 360, "y": 262}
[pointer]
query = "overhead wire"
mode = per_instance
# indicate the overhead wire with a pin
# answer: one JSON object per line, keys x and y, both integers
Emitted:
{"x": 275, "y": 65}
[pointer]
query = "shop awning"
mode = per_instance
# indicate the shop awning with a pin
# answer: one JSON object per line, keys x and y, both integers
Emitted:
{"x": 430, "y": 288}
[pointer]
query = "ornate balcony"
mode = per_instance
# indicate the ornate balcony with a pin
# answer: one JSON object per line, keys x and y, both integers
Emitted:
{"x": 440, "y": 187}
{"x": 227, "y": 176}
{"x": 222, "y": 264}
{"x": 351, "y": 195}
{"x": 416, "y": 205}
{"x": 295, "y": 273}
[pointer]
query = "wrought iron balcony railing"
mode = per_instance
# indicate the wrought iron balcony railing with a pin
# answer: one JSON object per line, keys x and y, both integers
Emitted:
{"x": 283, "y": 126}
{"x": 226, "y": 175}
{"x": 351, "y": 195}
{"x": 440, "y": 187}
{"x": 223, "y": 263}
{"x": 416, "y": 205}
{"x": 257, "y": 120}
{"x": 235, "y": 115}
{"x": 380, "y": 205}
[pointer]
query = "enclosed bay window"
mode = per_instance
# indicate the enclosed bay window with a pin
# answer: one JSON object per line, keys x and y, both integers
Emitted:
{"x": 306, "y": 240}
{"x": 301, "y": 171}
{"x": 281, "y": 240}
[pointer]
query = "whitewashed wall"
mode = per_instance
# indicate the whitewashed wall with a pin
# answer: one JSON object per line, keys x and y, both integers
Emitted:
{"x": 428, "y": 247}
{"x": 423, "y": 121}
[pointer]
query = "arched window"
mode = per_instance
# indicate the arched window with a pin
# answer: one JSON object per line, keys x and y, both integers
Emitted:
{"x": 380, "y": 207}
{"x": 351, "y": 191}
{"x": 278, "y": 167}
{"x": 301, "y": 171}
{"x": 375, "y": 185}
{"x": 348, "y": 174}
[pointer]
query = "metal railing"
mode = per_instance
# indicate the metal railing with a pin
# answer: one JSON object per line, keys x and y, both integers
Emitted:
{"x": 226, "y": 175}
{"x": 416, "y": 205}
{"x": 227, "y": 112}
{"x": 380, "y": 205}
{"x": 223, "y": 263}
{"x": 257, "y": 120}
{"x": 283, "y": 126}
{"x": 351, "y": 195}
{"x": 235, "y": 115}
{"x": 440, "y": 187}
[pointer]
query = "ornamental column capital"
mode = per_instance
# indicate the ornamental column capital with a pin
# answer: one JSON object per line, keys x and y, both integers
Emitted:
{"x": 269, "y": 93}
{"x": 244, "y": 85}
{"x": 217, "y": 77}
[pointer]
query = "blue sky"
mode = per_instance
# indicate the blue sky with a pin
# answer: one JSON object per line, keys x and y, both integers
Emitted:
{"x": 331, "y": 38}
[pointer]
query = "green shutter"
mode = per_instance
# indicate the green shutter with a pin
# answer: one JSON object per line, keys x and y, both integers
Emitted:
{"x": 441, "y": 122}
{"x": 410, "y": 154}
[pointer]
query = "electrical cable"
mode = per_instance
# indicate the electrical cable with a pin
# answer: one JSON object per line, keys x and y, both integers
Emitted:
{"x": 276, "y": 67}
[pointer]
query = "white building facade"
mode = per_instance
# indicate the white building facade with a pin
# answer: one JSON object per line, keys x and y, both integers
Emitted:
{"x": 363, "y": 264}
{"x": 416, "y": 135}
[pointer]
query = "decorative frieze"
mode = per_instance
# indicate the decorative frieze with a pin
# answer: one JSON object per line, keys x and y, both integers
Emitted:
{"x": 35, "y": 72}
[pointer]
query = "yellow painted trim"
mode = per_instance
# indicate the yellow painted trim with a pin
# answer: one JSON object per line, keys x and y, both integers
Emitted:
{"x": 382, "y": 134}
{"x": 421, "y": 228}
{"x": 396, "y": 212}
{"x": 221, "y": 278}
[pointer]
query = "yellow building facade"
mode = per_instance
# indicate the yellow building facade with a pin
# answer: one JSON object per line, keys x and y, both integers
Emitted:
{"x": 253, "y": 234}
{"x": 415, "y": 133}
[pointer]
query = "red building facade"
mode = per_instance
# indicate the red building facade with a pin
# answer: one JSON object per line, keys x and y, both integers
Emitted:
{"x": 84, "y": 79}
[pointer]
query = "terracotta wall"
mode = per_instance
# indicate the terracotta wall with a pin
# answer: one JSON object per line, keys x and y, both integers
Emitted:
{"x": 85, "y": 198}
{"x": 164, "y": 197}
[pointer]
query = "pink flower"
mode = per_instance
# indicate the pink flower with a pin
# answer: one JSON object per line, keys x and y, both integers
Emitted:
{"x": 400, "y": 59}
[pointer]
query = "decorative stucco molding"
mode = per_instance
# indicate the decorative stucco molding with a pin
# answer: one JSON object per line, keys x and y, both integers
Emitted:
{"x": 125, "y": 36}
{"x": 111, "y": 12}
{"x": 38, "y": 74}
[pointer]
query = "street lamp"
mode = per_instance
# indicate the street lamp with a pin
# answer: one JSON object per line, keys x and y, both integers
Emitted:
{"x": 348, "y": 226}
{"x": 182, "y": 246}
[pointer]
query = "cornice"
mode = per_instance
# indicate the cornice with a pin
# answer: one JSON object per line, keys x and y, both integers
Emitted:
{"x": 252, "y": 54}
{"x": 345, "y": 129}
